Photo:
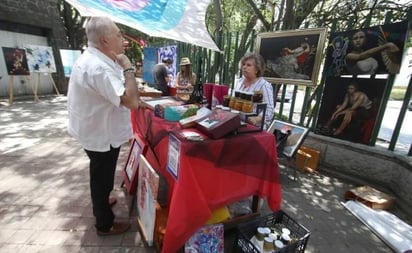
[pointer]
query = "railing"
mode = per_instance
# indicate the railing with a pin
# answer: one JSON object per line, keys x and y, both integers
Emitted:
{"x": 223, "y": 67}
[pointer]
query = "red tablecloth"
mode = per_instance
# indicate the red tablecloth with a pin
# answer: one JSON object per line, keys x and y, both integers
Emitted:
{"x": 212, "y": 173}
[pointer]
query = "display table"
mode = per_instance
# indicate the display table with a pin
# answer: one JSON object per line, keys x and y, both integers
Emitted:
{"x": 212, "y": 173}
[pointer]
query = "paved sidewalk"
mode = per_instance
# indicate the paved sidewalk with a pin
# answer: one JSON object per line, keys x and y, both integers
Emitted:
{"x": 45, "y": 203}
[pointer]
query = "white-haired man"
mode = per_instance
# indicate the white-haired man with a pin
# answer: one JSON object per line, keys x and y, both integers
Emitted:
{"x": 102, "y": 89}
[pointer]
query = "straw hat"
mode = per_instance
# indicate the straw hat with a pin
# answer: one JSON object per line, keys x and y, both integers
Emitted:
{"x": 185, "y": 61}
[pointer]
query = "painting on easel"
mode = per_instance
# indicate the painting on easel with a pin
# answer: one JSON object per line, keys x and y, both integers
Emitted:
{"x": 40, "y": 59}
{"x": 16, "y": 61}
{"x": 68, "y": 59}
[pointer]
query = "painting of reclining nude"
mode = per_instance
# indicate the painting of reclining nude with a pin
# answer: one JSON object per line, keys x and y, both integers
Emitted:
{"x": 349, "y": 108}
{"x": 367, "y": 51}
{"x": 292, "y": 57}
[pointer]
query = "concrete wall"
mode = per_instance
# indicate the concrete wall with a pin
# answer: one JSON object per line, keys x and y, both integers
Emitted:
{"x": 366, "y": 165}
{"x": 39, "y": 18}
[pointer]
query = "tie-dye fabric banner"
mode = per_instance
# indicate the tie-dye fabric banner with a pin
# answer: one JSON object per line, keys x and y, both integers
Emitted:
{"x": 181, "y": 20}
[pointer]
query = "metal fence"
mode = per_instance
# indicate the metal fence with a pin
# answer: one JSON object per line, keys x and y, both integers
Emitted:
{"x": 223, "y": 68}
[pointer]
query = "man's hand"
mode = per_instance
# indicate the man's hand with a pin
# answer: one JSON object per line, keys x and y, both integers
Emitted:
{"x": 122, "y": 60}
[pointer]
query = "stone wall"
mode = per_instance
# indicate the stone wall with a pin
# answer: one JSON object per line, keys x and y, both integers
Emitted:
{"x": 366, "y": 165}
{"x": 40, "y": 16}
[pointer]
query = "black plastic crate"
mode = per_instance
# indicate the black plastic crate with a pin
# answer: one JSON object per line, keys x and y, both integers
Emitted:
{"x": 246, "y": 230}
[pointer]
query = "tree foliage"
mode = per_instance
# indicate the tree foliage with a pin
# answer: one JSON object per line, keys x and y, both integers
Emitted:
{"x": 244, "y": 18}
{"x": 73, "y": 24}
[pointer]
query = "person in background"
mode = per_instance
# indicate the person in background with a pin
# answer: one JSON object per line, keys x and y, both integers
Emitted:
{"x": 252, "y": 67}
{"x": 161, "y": 76}
{"x": 355, "y": 104}
{"x": 186, "y": 78}
{"x": 102, "y": 89}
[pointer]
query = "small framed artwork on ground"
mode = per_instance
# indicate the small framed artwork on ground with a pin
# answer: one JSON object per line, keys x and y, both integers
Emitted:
{"x": 147, "y": 191}
{"x": 130, "y": 170}
{"x": 289, "y": 137}
{"x": 292, "y": 57}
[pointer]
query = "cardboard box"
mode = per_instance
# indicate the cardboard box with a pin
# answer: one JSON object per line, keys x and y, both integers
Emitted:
{"x": 219, "y": 123}
{"x": 371, "y": 197}
{"x": 307, "y": 159}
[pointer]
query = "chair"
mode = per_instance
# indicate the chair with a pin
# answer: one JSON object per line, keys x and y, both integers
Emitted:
{"x": 289, "y": 138}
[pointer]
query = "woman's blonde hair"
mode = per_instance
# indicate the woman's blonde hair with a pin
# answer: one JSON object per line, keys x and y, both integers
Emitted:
{"x": 259, "y": 62}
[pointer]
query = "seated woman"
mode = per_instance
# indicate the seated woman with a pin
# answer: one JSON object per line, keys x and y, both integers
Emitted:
{"x": 252, "y": 67}
{"x": 186, "y": 78}
{"x": 355, "y": 104}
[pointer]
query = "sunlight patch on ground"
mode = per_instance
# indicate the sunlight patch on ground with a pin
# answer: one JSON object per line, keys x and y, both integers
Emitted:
{"x": 10, "y": 145}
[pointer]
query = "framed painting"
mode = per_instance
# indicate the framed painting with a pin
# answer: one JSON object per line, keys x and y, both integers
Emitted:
{"x": 367, "y": 51}
{"x": 40, "y": 59}
{"x": 130, "y": 171}
{"x": 69, "y": 57}
{"x": 16, "y": 61}
{"x": 292, "y": 57}
{"x": 338, "y": 118}
{"x": 147, "y": 193}
{"x": 289, "y": 137}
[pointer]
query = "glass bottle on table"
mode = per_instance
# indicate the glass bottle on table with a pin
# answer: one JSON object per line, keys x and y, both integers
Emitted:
{"x": 257, "y": 96}
{"x": 233, "y": 100}
{"x": 247, "y": 106}
{"x": 239, "y": 102}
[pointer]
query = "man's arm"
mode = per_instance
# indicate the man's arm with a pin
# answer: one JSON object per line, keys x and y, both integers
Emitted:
{"x": 130, "y": 98}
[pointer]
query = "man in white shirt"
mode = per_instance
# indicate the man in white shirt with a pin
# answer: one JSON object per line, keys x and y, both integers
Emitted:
{"x": 101, "y": 91}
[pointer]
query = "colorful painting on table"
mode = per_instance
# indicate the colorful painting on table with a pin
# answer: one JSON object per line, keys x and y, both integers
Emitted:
{"x": 208, "y": 239}
{"x": 40, "y": 59}
{"x": 16, "y": 61}
{"x": 368, "y": 51}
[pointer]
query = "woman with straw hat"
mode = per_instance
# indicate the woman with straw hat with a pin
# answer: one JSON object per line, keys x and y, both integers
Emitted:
{"x": 186, "y": 78}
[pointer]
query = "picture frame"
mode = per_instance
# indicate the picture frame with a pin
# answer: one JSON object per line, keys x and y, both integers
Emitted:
{"x": 147, "y": 193}
{"x": 69, "y": 57}
{"x": 40, "y": 59}
{"x": 289, "y": 137}
{"x": 130, "y": 170}
{"x": 16, "y": 61}
{"x": 363, "y": 121}
{"x": 292, "y": 57}
{"x": 344, "y": 48}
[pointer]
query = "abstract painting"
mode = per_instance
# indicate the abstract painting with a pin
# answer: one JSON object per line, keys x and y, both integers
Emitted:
{"x": 40, "y": 59}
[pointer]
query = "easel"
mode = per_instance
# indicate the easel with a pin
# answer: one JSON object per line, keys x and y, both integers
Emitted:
{"x": 11, "y": 88}
{"x": 37, "y": 83}
{"x": 34, "y": 87}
